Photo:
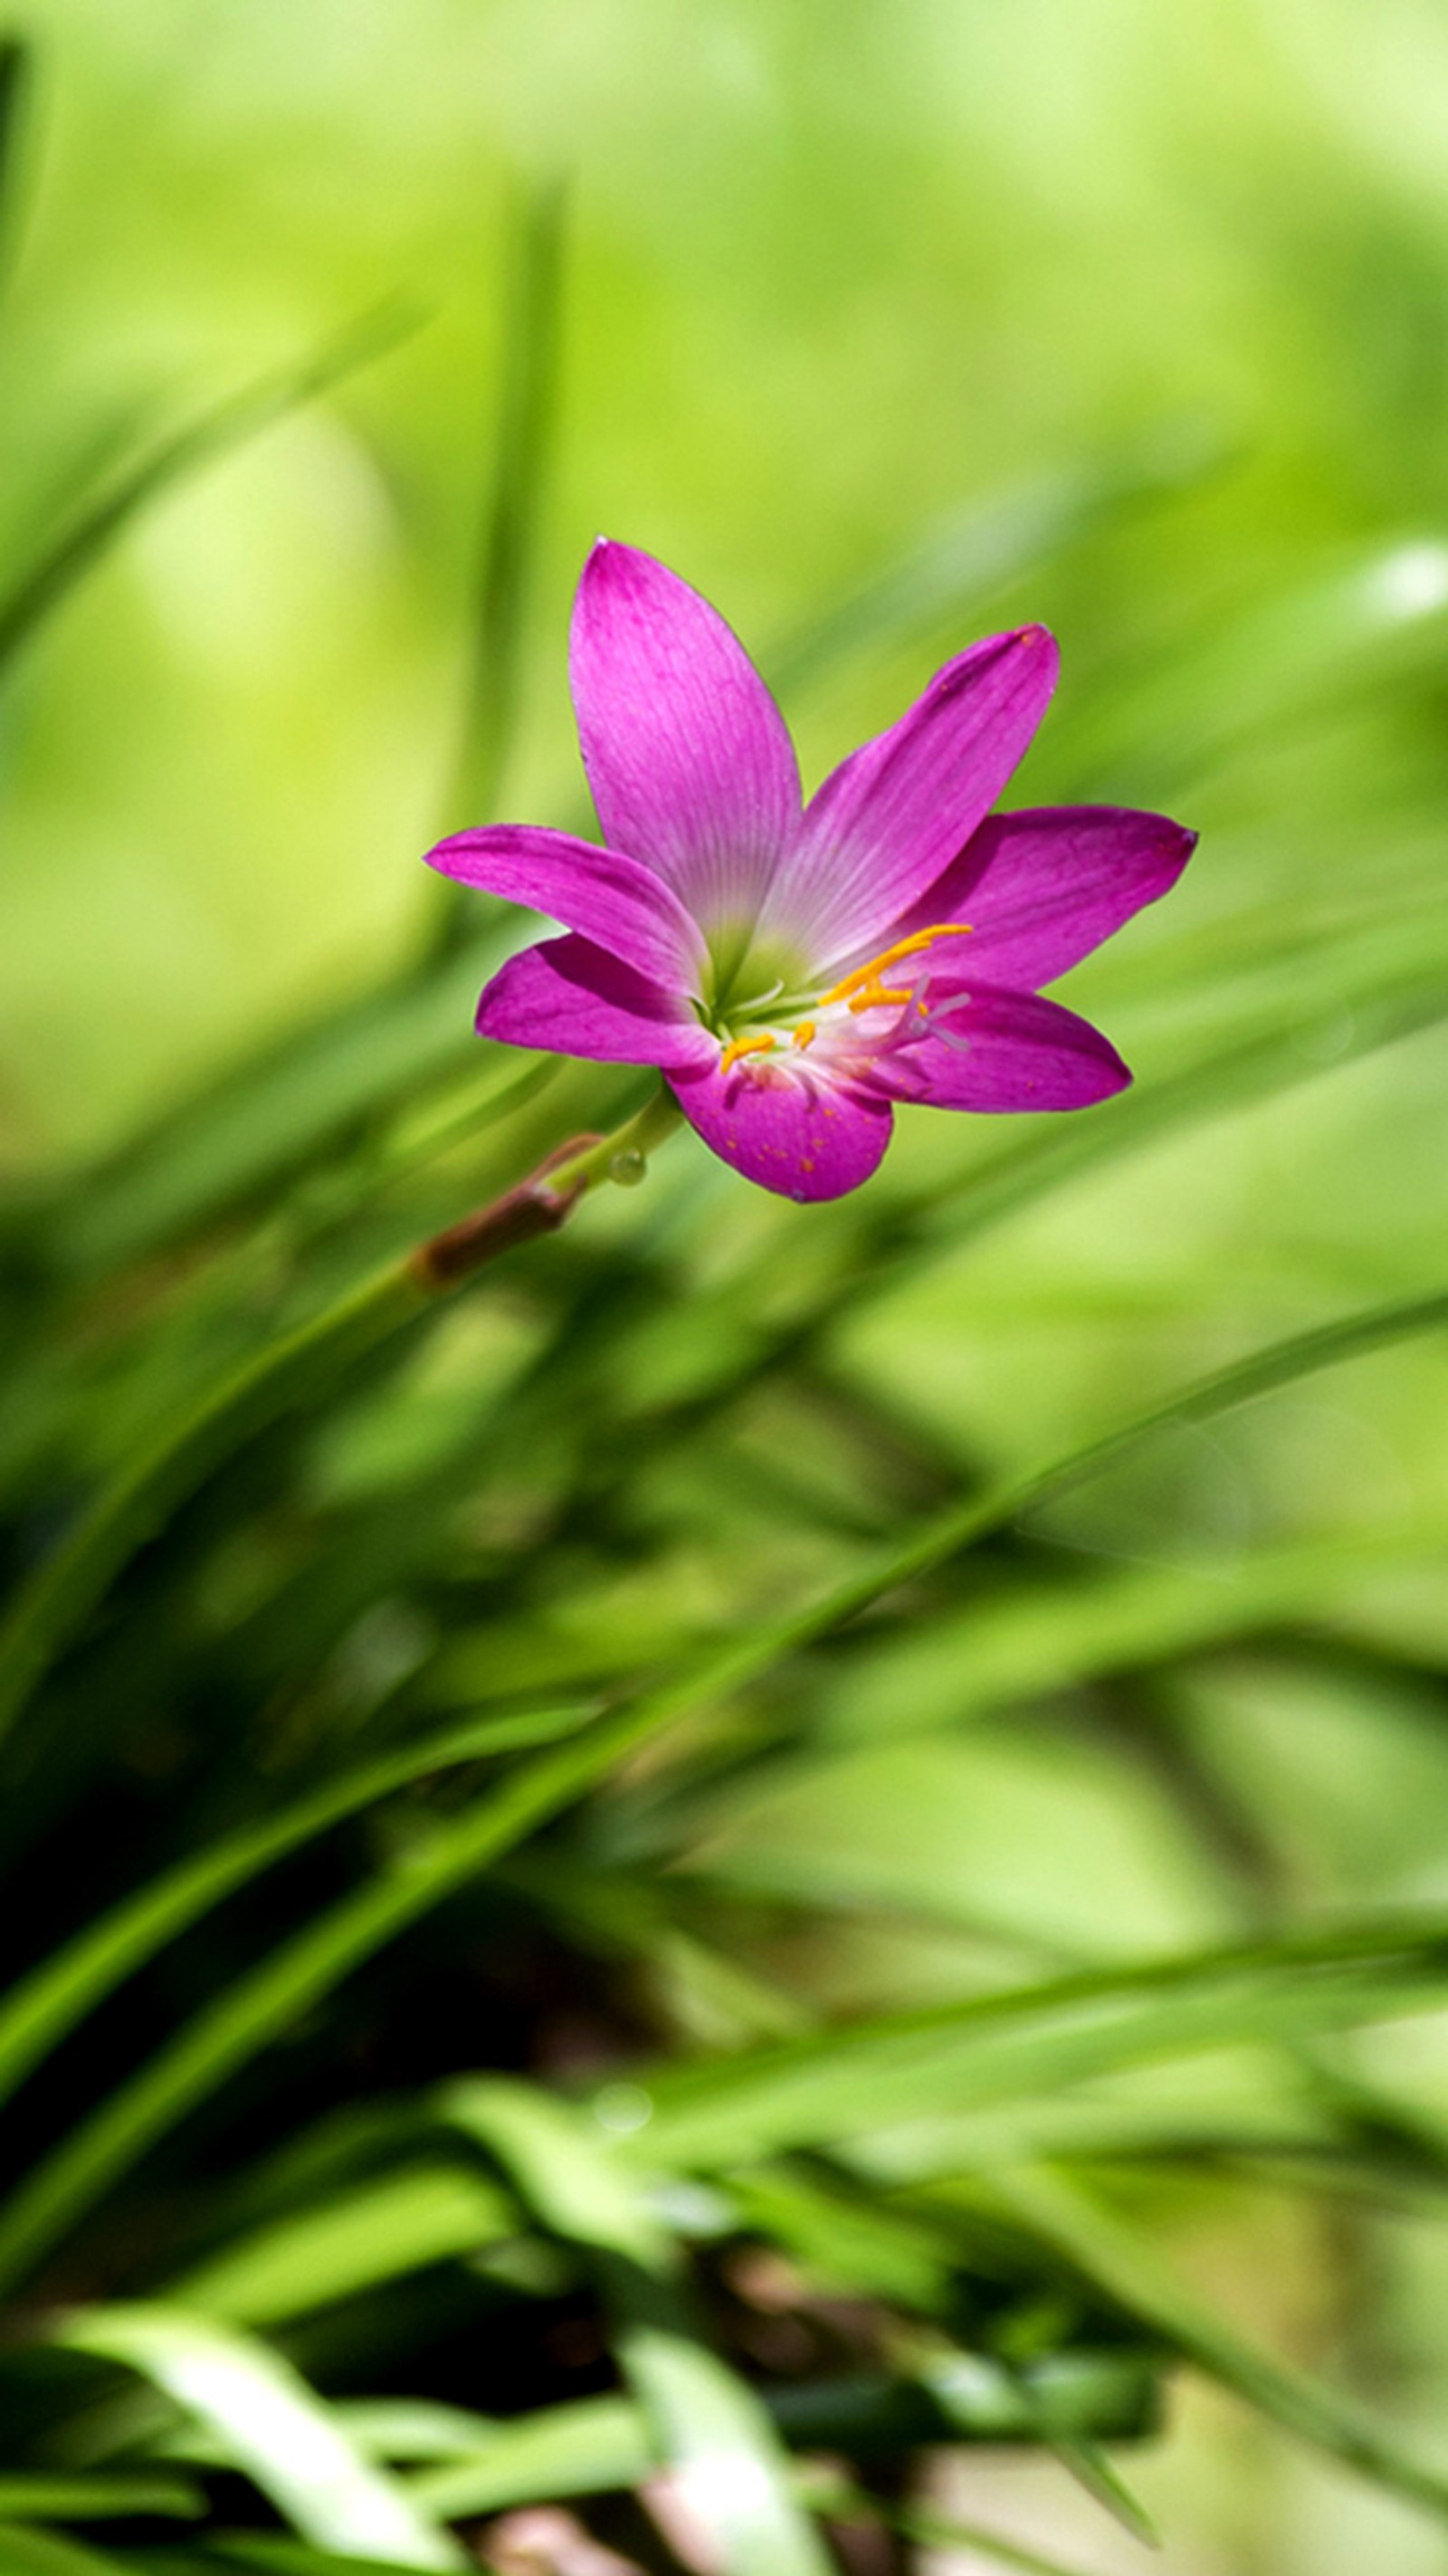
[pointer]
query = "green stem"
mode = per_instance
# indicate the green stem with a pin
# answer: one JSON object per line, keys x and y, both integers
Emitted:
{"x": 53, "y": 1605}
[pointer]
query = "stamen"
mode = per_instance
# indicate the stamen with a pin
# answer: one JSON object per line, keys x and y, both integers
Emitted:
{"x": 875, "y": 995}
{"x": 805, "y": 1034}
{"x": 758, "y": 1043}
{"x": 870, "y": 974}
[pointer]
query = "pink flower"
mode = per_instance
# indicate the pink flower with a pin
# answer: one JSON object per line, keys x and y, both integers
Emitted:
{"x": 794, "y": 970}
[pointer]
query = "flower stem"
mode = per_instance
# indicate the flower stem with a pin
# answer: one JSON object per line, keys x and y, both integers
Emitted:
{"x": 49, "y": 1609}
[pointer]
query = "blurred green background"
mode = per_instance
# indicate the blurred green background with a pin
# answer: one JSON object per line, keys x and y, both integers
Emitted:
{"x": 883, "y": 326}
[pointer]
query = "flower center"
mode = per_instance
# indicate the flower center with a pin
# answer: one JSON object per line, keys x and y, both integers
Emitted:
{"x": 792, "y": 1019}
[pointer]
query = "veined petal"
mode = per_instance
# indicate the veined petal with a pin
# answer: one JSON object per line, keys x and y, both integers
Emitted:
{"x": 574, "y": 999}
{"x": 689, "y": 759}
{"x": 1006, "y": 1051}
{"x": 805, "y": 1138}
{"x": 1042, "y": 888}
{"x": 613, "y": 900}
{"x": 888, "y": 821}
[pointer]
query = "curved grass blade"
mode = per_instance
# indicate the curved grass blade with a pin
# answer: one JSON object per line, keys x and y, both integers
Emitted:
{"x": 64, "y": 1988}
{"x": 97, "y": 524}
{"x": 274, "y": 2426}
{"x": 1114, "y": 2257}
{"x": 727, "y": 2469}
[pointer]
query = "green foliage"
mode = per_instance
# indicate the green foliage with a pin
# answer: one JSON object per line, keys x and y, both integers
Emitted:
{"x": 772, "y": 1849}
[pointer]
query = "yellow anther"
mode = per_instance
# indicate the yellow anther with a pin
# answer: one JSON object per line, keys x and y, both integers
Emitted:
{"x": 875, "y": 995}
{"x": 911, "y": 947}
{"x": 759, "y": 1043}
{"x": 804, "y": 1035}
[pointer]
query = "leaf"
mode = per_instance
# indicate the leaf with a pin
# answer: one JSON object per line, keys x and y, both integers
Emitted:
{"x": 274, "y": 2426}
{"x": 727, "y": 2471}
{"x": 38, "y": 2011}
{"x": 1118, "y": 2261}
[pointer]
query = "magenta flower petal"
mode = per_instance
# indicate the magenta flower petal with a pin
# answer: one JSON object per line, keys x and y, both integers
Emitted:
{"x": 1002, "y": 1051}
{"x": 574, "y": 999}
{"x": 889, "y": 820}
{"x": 802, "y": 1139}
{"x": 1043, "y": 888}
{"x": 612, "y": 899}
{"x": 688, "y": 757}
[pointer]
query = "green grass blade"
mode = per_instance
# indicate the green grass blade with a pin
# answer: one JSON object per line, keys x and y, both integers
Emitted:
{"x": 274, "y": 2426}
{"x": 48, "y": 1610}
{"x": 729, "y": 2474}
{"x": 515, "y": 504}
{"x": 397, "y": 2224}
{"x": 1119, "y": 2262}
{"x": 841, "y": 2502}
{"x": 598, "y": 2444}
{"x": 99, "y": 2499}
{"x": 244, "y": 1136}
{"x": 1033, "y": 2040}
{"x": 95, "y": 527}
{"x": 226, "y": 2036}
{"x": 64, "y": 1988}
{"x": 250, "y": 2014}
{"x": 44, "y": 2553}
{"x": 968, "y": 557}
{"x": 595, "y": 2446}
{"x": 16, "y": 76}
